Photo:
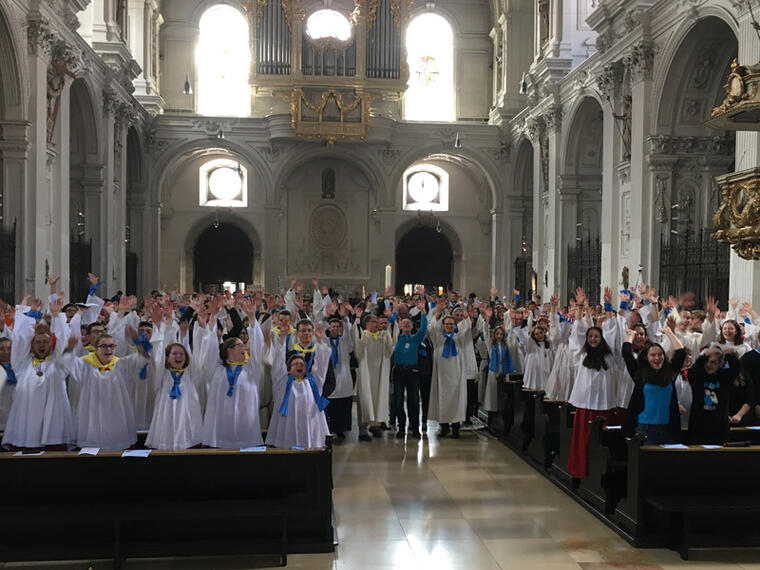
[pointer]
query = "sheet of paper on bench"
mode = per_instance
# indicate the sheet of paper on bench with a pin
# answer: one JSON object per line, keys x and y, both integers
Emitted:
{"x": 136, "y": 453}
{"x": 674, "y": 446}
{"x": 613, "y": 427}
{"x": 20, "y": 453}
{"x": 712, "y": 446}
{"x": 254, "y": 448}
{"x": 89, "y": 451}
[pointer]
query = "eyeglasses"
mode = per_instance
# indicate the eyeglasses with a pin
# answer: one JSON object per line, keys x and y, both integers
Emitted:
{"x": 107, "y": 346}
{"x": 237, "y": 345}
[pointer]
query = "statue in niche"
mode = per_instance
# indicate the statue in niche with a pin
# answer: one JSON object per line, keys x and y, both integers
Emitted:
{"x": 625, "y": 125}
{"x": 328, "y": 184}
{"x": 56, "y": 81}
{"x": 624, "y": 277}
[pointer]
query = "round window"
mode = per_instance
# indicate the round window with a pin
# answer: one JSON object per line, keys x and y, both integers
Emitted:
{"x": 328, "y": 24}
{"x": 423, "y": 187}
{"x": 225, "y": 183}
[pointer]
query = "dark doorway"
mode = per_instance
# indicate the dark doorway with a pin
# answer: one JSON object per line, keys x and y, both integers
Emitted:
{"x": 222, "y": 253}
{"x": 423, "y": 256}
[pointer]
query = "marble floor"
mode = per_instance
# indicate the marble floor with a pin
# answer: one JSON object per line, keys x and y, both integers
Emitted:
{"x": 469, "y": 503}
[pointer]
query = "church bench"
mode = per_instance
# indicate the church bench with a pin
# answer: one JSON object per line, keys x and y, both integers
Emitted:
{"x": 509, "y": 393}
{"x": 605, "y": 483}
{"x": 544, "y": 444}
{"x": 688, "y": 508}
{"x": 708, "y": 476}
{"x": 559, "y": 466}
{"x": 522, "y": 429}
{"x": 198, "y": 501}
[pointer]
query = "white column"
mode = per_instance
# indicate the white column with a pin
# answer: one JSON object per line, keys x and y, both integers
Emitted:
{"x": 642, "y": 241}
{"x": 610, "y": 231}
{"x": 500, "y": 250}
{"x": 744, "y": 276}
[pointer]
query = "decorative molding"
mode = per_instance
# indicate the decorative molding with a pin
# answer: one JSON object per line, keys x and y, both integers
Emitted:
{"x": 737, "y": 220}
{"x": 669, "y": 145}
{"x": 40, "y": 37}
{"x": 553, "y": 118}
{"x": 502, "y": 153}
{"x": 640, "y": 61}
{"x": 610, "y": 80}
{"x": 389, "y": 156}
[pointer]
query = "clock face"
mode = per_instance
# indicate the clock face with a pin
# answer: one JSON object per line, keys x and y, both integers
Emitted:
{"x": 736, "y": 86}
{"x": 423, "y": 187}
{"x": 225, "y": 183}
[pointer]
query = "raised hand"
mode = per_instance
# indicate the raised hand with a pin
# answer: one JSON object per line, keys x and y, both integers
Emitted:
{"x": 580, "y": 296}
{"x": 92, "y": 278}
{"x": 733, "y": 302}
{"x": 319, "y": 332}
{"x": 55, "y": 307}
{"x": 315, "y": 283}
{"x": 420, "y": 304}
{"x": 607, "y": 295}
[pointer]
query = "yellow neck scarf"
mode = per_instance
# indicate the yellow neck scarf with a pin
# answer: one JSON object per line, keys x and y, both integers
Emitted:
{"x": 372, "y": 334}
{"x": 247, "y": 358}
{"x": 177, "y": 370}
{"x": 93, "y": 359}
{"x": 37, "y": 361}
{"x": 298, "y": 348}
{"x": 90, "y": 348}
{"x": 277, "y": 330}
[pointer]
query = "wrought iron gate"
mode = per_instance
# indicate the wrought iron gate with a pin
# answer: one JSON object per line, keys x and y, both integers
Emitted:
{"x": 695, "y": 263}
{"x": 8, "y": 264}
{"x": 584, "y": 268}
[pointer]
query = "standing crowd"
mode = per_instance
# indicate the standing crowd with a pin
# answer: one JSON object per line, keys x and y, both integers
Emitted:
{"x": 234, "y": 370}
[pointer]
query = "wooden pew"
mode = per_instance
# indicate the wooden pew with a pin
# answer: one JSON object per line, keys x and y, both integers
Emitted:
{"x": 559, "y": 466}
{"x": 605, "y": 483}
{"x": 61, "y": 505}
{"x": 544, "y": 445}
{"x": 684, "y": 497}
{"x": 521, "y": 431}
{"x": 509, "y": 391}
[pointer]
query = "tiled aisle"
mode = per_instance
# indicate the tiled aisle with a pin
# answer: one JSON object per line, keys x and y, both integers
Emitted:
{"x": 468, "y": 503}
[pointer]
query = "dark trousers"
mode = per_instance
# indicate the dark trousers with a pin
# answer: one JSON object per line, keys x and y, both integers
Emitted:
{"x": 472, "y": 398}
{"x": 407, "y": 379}
{"x": 425, "y": 381}
{"x": 338, "y": 414}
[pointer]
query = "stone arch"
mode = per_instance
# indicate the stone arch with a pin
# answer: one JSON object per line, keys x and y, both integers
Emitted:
{"x": 204, "y": 5}
{"x": 448, "y": 231}
{"x": 694, "y": 67}
{"x": 83, "y": 114}
{"x": 223, "y": 217}
{"x": 478, "y": 160}
{"x": 522, "y": 179}
{"x": 300, "y": 156}
{"x": 12, "y": 103}
{"x": 174, "y": 156}
{"x": 583, "y": 138}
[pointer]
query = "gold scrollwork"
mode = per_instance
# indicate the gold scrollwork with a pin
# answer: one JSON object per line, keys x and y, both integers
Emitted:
{"x": 737, "y": 220}
{"x": 324, "y": 127}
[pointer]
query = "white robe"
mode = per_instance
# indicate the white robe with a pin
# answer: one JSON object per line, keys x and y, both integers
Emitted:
{"x": 40, "y": 414}
{"x": 305, "y": 425}
{"x": 490, "y": 391}
{"x": 233, "y": 421}
{"x": 344, "y": 384}
{"x": 373, "y": 374}
{"x": 595, "y": 389}
{"x": 538, "y": 361}
{"x": 177, "y": 422}
{"x": 6, "y": 397}
{"x": 448, "y": 388}
{"x": 105, "y": 415}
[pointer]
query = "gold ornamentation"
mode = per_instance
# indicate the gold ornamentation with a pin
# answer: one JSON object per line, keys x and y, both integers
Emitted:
{"x": 740, "y": 110}
{"x": 321, "y": 121}
{"x": 289, "y": 7}
{"x": 737, "y": 220}
{"x": 395, "y": 7}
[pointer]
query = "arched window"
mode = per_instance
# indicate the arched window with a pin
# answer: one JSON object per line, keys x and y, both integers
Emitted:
{"x": 430, "y": 45}
{"x": 426, "y": 187}
{"x": 223, "y": 59}
{"x": 223, "y": 183}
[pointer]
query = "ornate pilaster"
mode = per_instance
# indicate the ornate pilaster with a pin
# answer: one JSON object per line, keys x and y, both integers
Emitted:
{"x": 640, "y": 61}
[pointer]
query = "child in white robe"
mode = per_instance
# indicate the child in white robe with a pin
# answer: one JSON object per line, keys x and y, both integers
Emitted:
{"x": 40, "y": 415}
{"x": 538, "y": 356}
{"x": 299, "y": 419}
{"x": 105, "y": 415}
{"x": 232, "y": 410}
{"x": 498, "y": 366}
{"x": 177, "y": 418}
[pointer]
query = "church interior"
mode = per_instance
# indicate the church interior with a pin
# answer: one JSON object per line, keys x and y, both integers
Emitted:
{"x": 518, "y": 147}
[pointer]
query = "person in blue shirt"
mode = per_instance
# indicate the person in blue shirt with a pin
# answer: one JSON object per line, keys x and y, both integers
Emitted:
{"x": 406, "y": 372}
{"x": 653, "y": 407}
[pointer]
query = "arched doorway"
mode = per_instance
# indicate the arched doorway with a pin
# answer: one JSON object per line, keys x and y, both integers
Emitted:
{"x": 223, "y": 253}
{"x": 424, "y": 256}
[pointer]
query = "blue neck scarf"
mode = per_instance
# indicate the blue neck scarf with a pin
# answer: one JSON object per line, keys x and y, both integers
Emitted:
{"x": 318, "y": 399}
{"x": 449, "y": 346}
{"x": 500, "y": 353}
{"x": 334, "y": 357}
{"x": 10, "y": 374}
{"x": 232, "y": 377}
{"x": 143, "y": 374}
{"x": 174, "y": 393}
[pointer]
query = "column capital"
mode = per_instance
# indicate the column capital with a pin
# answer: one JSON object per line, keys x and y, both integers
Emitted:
{"x": 640, "y": 61}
